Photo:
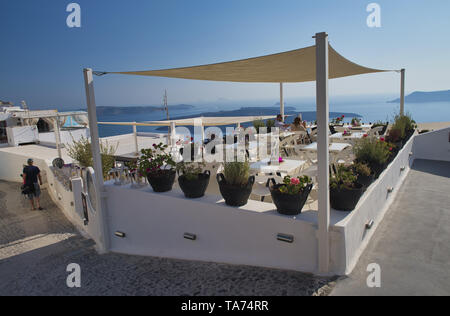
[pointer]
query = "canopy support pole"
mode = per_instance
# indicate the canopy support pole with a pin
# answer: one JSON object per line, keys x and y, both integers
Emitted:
{"x": 281, "y": 101}
{"x": 402, "y": 92}
{"x": 323, "y": 150}
{"x": 103, "y": 242}
{"x": 136, "y": 146}
{"x": 57, "y": 136}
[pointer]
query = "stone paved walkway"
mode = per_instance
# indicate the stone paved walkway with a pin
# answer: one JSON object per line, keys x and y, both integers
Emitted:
{"x": 36, "y": 247}
{"x": 412, "y": 244}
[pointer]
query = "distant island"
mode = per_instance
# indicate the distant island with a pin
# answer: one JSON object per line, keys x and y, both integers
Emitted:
{"x": 119, "y": 110}
{"x": 423, "y": 97}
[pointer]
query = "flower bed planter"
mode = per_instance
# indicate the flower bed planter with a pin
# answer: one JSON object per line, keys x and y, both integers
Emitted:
{"x": 162, "y": 181}
{"x": 346, "y": 199}
{"x": 235, "y": 195}
{"x": 289, "y": 204}
{"x": 196, "y": 188}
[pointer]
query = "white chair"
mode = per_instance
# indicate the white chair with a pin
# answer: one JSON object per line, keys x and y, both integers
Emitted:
{"x": 262, "y": 183}
{"x": 375, "y": 132}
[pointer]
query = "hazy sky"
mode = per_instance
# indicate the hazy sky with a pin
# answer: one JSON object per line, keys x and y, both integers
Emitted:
{"x": 42, "y": 59}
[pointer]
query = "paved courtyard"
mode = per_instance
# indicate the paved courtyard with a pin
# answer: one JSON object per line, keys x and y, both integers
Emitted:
{"x": 412, "y": 244}
{"x": 36, "y": 247}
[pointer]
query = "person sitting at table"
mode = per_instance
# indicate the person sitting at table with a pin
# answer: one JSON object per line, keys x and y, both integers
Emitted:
{"x": 280, "y": 124}
{"x": 298, "y": 125}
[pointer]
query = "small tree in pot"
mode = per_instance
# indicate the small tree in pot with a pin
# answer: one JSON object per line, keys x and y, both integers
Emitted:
{"x": 193, "y": 180}
{"x": 291, "y": 195}
{"x": 157, "y": 166}
{"x": 235, "y": 183}
{"x": 345, "y": 191}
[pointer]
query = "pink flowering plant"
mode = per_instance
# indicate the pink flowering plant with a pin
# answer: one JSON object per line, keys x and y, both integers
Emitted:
{"x": 154, "y": 161}
{"x": 294, "y": 185}
{"x": 338, "y": 120}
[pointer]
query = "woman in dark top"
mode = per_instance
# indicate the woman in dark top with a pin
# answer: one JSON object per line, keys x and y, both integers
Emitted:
{"x": 31, "y": 175}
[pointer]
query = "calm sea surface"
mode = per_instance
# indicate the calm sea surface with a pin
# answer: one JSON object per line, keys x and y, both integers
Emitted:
{"x": 370, "y": 110}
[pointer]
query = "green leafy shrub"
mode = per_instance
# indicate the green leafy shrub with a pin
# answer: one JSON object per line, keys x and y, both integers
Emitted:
{"x": 370, "y": 151}
{"x": 154, "y": 161}
{"x": 294, "y": 185}
{"x": 190, "y": 170}
{"x": 343, "y": 178}
{"x": 270, "y": 124}
{"x": 81, "y": 152}
{"x": 405, "y": 124}
{"x": 258, "y": 124}
{"x": 237, "y": 173}
{"x": 395, "y": 135}
{"x": 362, "y": 169}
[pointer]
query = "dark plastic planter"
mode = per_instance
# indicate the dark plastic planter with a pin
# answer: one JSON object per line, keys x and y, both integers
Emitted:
{"x": 289, "y": 204}
{"x": 365, "y": 181}
{"x": 162, "y": 182}
{"x": 377, "y": 169}
{"x": 194, "y": 189}
{"x": 345, "y": 199}
{"x": 235, "y": 195}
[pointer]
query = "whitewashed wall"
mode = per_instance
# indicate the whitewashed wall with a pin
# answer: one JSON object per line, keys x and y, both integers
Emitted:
{"x": 350, "y": 236}
{"x": 67, "y": 137}
{"x": 154, "y": 225}
{"x": 433, "y": 145}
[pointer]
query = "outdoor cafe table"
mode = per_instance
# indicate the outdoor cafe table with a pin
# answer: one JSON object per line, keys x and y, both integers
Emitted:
{"x": 336, "y": 150}
{"x": 363, "y": 127}
{"x": 340, "y": 137}
{"x": 288, "y": 166}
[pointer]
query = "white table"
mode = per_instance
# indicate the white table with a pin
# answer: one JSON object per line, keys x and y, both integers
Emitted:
{"x": 336, "y": 151}
{"x": 288, "y": 166}
{"x": 340, "y": 137}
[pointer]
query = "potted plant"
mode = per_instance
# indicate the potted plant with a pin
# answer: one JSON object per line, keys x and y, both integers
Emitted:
{"x": 373, "y": 152}
{"x": 157, "y": 166}
{"x": 345, "y": 191}
{"x": 356, "y": 122}
{"x": 338, "y": 121}
{"x": 81, "y": 152}
{"x": 258, "y": 124}
{"x": 406, "y": 125}
{"x": 364, "y": 174}
{"x": 193, "y": 180}
{"x": 270, "y": 124}
{"x": 235, "y": 183}
{"x": 291, "y": 195}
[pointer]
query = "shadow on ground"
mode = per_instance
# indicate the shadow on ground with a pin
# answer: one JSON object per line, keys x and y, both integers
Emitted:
{"x": 30, "y": 266}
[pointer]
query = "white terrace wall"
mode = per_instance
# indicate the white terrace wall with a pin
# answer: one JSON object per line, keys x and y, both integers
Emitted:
{"x": 67, "y": 136}
{"x": 433, "y": 145}
{"x": 350, "y": 236}
{"x": 155, "y": 224}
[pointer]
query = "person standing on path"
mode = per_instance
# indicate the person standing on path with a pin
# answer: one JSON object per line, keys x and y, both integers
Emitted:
{"x": 31, "y": 174}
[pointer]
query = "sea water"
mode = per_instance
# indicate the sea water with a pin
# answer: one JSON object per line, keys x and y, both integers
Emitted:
{"x": 371, "y": 110}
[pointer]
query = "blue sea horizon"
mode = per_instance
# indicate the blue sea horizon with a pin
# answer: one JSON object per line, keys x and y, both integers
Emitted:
{"x": 370, "y": 110}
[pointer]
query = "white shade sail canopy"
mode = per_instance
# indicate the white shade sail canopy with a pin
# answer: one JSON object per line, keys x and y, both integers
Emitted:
{"x": 293, "y": 66}
{"x": 197, "y": 121}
